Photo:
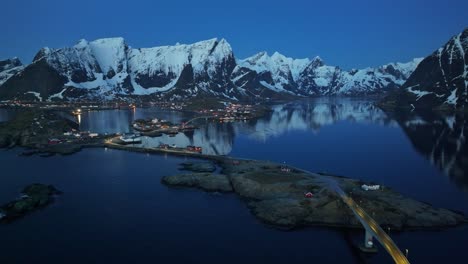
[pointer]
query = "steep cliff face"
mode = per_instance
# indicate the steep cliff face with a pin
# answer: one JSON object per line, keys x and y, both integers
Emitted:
{"x": 440, "y": 80}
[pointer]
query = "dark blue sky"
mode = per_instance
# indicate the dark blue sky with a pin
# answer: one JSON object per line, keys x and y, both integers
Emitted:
{"x": 344, "y": 33}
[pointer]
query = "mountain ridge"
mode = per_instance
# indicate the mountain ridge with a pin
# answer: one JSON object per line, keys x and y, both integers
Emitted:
{"x": 108, "y": 68}
{"x": 440, "y": 81}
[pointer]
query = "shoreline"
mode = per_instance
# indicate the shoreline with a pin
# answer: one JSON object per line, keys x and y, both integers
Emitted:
{"x": 273, "y": 192}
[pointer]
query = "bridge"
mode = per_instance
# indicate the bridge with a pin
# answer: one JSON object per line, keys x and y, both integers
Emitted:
{"x": 373, "y": 229}
{"x": 196, "y": 118}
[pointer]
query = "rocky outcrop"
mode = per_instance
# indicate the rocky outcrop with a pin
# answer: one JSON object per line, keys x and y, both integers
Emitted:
{"x": 275, "y": 194}
{"x": 205, "y": 181}
{"x": 33, "y": 197}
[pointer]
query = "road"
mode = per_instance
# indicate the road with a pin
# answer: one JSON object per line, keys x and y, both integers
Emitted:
{"x": 368, "y": 222}
{"x": 373, "y": 227}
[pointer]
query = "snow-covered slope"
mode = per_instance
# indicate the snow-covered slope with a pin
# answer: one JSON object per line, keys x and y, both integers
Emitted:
{"x": 312, "y": 77}
{"x": 108, "y": 68}
{"x": 8, "y": 68}
{"x": 160, "y": 69}
{"x": 283, "y": 72}
{"x": 439, "y": 81}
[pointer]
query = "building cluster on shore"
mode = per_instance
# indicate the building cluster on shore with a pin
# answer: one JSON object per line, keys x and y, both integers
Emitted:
{"x": 231, "y": 112}
{"x": 156, "y": 127}
{"x": 75, "y": 136}
{"x": 83, "y": 106}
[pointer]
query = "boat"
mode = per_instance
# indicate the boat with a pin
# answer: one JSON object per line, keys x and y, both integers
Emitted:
{"x": 173, "y": 146}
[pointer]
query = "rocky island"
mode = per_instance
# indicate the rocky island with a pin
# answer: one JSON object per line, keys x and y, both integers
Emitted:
{"x": 34, "y": 197}
{"x": 289, "y": 198}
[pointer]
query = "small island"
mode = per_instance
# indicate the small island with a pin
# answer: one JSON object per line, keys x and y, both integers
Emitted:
{"x": 290, "y": 198}
{"x": 34, "y": 197}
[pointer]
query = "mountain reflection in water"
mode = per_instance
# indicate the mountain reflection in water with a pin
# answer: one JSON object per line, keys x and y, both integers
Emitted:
{"x": 439, "y": 138}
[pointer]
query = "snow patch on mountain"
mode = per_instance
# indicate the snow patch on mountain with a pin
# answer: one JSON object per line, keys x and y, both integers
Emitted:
{"x": 440, "y": 80}
{"x": 109, "y": 53}
{"x": 284, "y": 70}
{"x": 36, "y": 94}
{"x": 8, "y": 68}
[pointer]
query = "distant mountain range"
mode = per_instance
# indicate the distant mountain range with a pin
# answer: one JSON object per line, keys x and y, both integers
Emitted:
{"x": 440, "y": 81}
{"x": 107, "y": 69}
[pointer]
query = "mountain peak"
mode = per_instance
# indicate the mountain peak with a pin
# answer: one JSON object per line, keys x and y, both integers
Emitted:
{"x": 222, "y": 49}
{"x": 42, "y": 53}
{"x": 440, "y": 81}
{"x": 317, "y": 62}
{"x": 276, "y": 54}
{"x": 9, "y": 63}
{"x": 317, "y": 58}
{"x": 209, "y": 42}
{"x": 108, "y": 42}
{"x": 108, "y": 68}
{"x": 82, "y": 43}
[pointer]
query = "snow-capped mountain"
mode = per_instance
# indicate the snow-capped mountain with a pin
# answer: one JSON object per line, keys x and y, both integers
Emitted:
{"x": 313, "y": 78}
{"x": 109, "y": 68}
{"x": 440, "y": 80}
{"x": 8, "y": 68}
{"x": 277, "y": 72}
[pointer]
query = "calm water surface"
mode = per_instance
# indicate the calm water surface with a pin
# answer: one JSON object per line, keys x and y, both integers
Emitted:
{"x": 115, "y": 210}
{"x": 6, "y": 114}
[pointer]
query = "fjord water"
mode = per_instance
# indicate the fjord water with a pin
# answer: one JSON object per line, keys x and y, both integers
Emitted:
{"x": 6, "y": 114}
{"x": 114, "y": 208}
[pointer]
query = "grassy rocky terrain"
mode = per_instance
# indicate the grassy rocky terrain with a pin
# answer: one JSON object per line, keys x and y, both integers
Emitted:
{"x": 34, "y": 197}
{"x": 278, "y": 198}
{"x": 33, "y": 128}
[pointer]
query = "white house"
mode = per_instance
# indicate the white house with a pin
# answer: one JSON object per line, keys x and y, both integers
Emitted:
{"x": 366, "y": 187}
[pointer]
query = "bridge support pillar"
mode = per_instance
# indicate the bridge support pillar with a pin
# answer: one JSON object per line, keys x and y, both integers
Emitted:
{"x": 368, "y": 240}
{"x": 368, "y": 246}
